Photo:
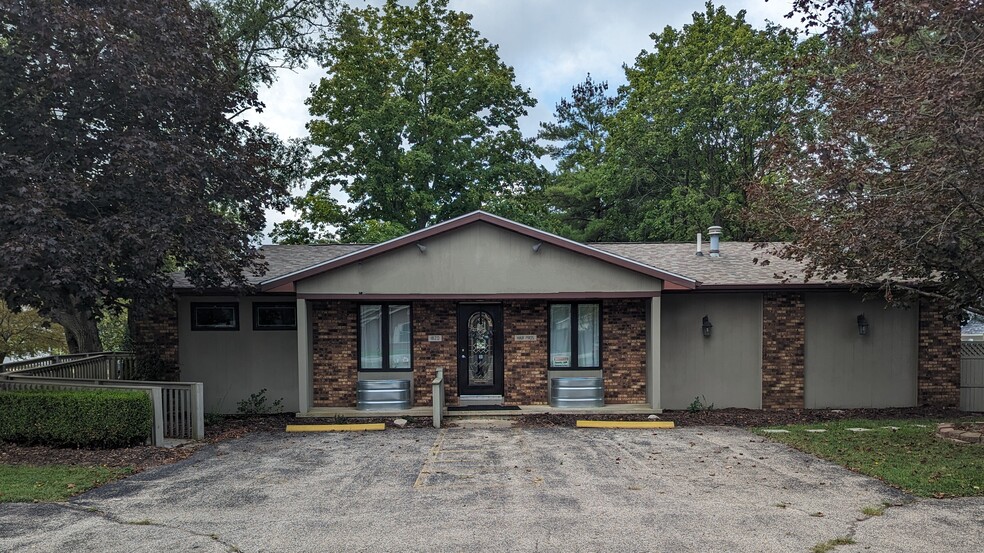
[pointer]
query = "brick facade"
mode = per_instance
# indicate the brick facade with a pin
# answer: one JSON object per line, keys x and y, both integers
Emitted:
{"x": 335, "y": 368}
{"x": 783, "y": 350}
{"x": 154, "y": 339}
{"x": 623, "y": 350}
{"x": 335, "y": 351}
{"x": 525, "y": 362}
{"x": 939, "y": 356}
{"x": 436, "y": 317}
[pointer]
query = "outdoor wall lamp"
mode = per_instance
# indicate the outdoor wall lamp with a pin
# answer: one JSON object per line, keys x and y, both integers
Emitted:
{"x": 862, "y": 325}
{"x": 705, "y": 327}
{"x": 537, "y": 246}
{"x": 421, "y": 247}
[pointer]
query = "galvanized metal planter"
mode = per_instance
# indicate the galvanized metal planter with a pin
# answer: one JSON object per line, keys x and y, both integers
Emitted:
{"x": 383, "y": 395}
{"x": 577, "y": 392}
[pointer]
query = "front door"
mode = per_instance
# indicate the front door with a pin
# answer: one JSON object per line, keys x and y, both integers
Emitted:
{"x": 480, "y": 350}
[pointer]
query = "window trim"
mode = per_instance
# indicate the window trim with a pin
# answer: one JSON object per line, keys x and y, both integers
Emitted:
{"x": 256, "y": 309}
{"x": 384, "y": 321}
{"x": 575, "y": 361}
{"x": 200, "y": 328}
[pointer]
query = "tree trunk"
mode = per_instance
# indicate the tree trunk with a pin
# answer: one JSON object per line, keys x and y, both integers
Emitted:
{"x": 81, "y": 331}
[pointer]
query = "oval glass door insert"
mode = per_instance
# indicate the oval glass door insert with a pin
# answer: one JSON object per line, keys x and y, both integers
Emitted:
{"x": 480, "y": 350}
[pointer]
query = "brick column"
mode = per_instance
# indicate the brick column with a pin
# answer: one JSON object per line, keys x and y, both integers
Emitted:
{"x": 525, "y": 363}
{"x": 434, "y": 317}
{"x": 623, "y": 350}
{"x": 335, "y": 353}
{"x": 783, "y": 346}
{"x": 939, "y": 356}
{"x": 154, "y": 338}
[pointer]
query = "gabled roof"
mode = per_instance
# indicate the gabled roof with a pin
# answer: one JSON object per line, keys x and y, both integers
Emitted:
{"x": 285, "y": 282}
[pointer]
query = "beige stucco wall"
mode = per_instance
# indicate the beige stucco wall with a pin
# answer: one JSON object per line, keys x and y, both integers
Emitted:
{"x": 478, "y": 259}
{"x": 845, "y": 369}
{"x": 235, "y": 364}
{"x": 724, "y": 369}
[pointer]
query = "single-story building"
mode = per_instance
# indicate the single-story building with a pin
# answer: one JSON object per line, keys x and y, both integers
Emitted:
{"x": 504, "y": 308}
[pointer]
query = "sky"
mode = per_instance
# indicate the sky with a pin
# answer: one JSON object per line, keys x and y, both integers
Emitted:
{"x": 551, "y": 44}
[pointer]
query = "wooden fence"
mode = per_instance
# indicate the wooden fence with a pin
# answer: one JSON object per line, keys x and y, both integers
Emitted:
{"x": 179, "y": 407}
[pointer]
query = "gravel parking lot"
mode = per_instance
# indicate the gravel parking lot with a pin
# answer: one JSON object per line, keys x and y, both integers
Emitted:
{"x": 495, "y": 489}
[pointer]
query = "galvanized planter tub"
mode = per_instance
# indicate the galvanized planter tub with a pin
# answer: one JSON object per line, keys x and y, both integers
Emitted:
{"x": 383, "y": 395}
{"x": 577, "y": 392}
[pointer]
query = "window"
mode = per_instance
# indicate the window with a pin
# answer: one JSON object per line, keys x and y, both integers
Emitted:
{"x": 384, "y": 337}
{"x": 575, "y": 336}
{"x": 215, "y": 316}
{"x": 274, "y": 316}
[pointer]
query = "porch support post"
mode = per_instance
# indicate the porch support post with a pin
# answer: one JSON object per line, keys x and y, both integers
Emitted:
{"x": 304, "y": 373}
{"x": 653, "y": 320}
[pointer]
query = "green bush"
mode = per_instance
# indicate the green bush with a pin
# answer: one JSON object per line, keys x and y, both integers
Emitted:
{"x": 62, "y": 418}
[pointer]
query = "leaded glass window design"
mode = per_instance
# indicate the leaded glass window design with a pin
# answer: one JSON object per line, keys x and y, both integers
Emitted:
{"x": 481, "y": 353}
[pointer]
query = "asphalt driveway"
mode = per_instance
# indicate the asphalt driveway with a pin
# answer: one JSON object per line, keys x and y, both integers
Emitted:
{"x": 494, "y": 489}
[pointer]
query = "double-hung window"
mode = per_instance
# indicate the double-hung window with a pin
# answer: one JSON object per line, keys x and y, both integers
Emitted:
{"x": 575, "y": 336}
{"x": 384, "y": 337}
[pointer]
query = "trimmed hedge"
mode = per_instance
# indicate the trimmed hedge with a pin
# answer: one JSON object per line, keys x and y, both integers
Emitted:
{"x": 75, "y": 418}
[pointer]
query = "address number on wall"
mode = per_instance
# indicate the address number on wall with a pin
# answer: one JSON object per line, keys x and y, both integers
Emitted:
{"x": 524, "y": 337}
{"x": 435, "y": 338}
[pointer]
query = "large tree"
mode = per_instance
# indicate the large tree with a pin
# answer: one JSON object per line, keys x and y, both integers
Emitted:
{"x": 697, "y": 109}
{"x": 417, "y": 123}
{"x": 120, "y": 156}
{"x": 890, "y": 193}
{"x": 578, "y": 141}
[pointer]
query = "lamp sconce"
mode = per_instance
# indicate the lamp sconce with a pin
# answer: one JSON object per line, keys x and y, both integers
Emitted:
{"x": 537, "y": 246}
{"x": 705, "y": 327}
{"x": 421, "y": 247}
{"x": 862, "y": 325}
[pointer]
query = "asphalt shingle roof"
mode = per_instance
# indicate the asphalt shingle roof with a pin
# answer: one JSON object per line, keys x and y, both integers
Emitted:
{"x": 735, "y": 266}
{"x": 285, "y": 259}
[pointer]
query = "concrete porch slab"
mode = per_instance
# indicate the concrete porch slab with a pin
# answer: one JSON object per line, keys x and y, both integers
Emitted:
{"x": 427, "y": 411}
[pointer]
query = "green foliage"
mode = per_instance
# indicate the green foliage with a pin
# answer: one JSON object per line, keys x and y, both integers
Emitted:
{"x": 417, "y": 123}
{"x": 257, "y": 404}
{"x": 114, "y": 332}
{"x": 911, "y": 458}
{"x": 28, "y": 484}
{"x": 830, "y": 545}
{"x": 698, "y": 405}
{"x": 579, "y": 190}
{"x": 674, "y": 152}
{"x": 25, "y": 333}
{"x": 91, "y": 418}
{"x": 212, "y": 419}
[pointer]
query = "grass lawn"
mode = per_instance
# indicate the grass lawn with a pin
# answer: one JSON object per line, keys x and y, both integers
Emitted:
{"x": 911, "y": 458}
{"x": 24, "y": 483}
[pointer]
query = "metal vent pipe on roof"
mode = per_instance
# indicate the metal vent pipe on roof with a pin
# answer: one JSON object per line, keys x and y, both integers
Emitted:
{"x": 699, "y": 244}
{"x": 715, "y": 234}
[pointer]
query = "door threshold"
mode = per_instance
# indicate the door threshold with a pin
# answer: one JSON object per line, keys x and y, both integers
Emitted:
{"x": 480, "y": 400}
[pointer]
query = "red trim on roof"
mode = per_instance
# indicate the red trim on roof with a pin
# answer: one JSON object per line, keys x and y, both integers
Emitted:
{"x": 475, "y": 297}
{"x": 468, "y": 219}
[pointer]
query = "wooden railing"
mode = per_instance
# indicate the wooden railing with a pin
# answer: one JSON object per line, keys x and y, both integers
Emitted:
{"x": 45, "y": 361}
{"x": 179, "y": 407}
{"x": 102, "y": 366}
{"x": 438, "y": 397}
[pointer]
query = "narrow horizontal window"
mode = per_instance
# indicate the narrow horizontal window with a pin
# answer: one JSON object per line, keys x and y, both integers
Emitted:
{"x": 274, "y": 316}
{"x": 215, "y": 316}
